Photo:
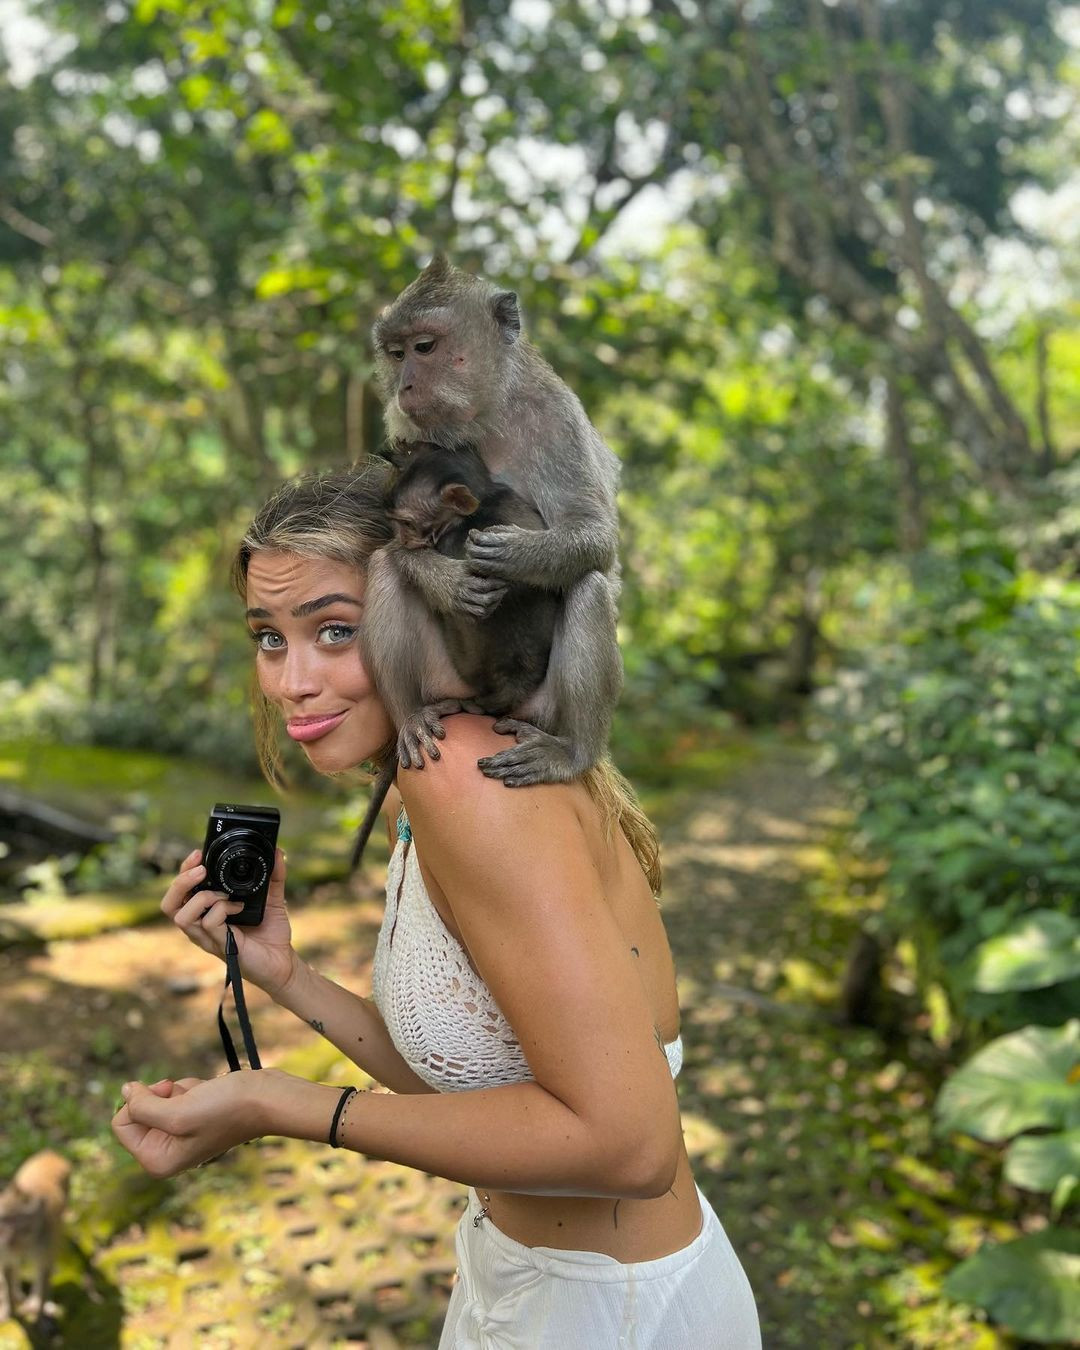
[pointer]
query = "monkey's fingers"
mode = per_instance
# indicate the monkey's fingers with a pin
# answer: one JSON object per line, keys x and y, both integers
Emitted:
{"x": 481, "y": 596}
{"x": 420, "y": 731}
{"x": 493, "y": 539}
{"x": 537, "y": 758}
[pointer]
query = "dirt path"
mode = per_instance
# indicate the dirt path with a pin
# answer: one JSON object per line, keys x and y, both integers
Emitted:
{"x": 793, "y": 1122}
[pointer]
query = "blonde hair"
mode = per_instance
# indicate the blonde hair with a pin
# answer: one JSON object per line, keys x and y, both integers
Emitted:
{"x": 341, "y": 515}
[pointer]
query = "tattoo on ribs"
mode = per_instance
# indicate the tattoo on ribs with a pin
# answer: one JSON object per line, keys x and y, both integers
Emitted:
{"x": 615, "y": 1213}
{"x": 316, "y": 1024}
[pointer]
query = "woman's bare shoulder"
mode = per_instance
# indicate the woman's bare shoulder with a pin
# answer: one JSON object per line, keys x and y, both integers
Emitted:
{"x": 453, "y": 789}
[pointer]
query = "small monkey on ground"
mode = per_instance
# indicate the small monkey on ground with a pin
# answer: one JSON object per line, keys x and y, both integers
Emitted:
{"x": 454, "y": 369}
{"x": 470, "y": 660}
{"x": 31, "y": 1225}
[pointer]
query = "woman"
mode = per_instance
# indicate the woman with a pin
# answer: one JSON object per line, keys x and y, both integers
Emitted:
{"x": 525, "y": 1015}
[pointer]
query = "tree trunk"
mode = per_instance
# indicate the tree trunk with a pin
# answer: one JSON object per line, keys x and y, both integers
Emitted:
{"x": 912, "y": 521}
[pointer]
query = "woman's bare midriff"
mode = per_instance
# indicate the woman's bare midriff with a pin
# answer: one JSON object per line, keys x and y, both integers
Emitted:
{"x": 626, "y": 1229}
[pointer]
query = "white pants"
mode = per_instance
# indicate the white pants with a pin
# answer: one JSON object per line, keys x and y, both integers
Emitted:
{"x": 512, "y": 1297}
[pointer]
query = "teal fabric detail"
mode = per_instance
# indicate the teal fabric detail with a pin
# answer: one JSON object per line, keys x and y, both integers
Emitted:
{"x": 404, "y": 833}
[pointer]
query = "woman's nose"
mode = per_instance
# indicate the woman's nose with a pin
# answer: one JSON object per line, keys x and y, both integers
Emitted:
{"x": 299, "y": 676}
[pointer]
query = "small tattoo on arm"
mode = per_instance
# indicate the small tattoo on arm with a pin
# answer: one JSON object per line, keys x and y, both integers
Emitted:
{"x": 615, "y": 1213}
{"x": 316, "y": 1024}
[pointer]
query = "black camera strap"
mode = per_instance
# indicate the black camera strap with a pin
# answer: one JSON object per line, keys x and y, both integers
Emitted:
{"x": 233, "y": 977}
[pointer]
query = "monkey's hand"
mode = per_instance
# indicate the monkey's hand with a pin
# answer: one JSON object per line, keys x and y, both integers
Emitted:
{"x": 538, "y": 757}
{"x": 421, "y": 729}
{"x": 479, "y": 596}
{"x": 507, "y": 552}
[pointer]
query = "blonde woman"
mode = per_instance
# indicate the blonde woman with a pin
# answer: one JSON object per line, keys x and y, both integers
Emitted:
{"x": 524, "y": 1011}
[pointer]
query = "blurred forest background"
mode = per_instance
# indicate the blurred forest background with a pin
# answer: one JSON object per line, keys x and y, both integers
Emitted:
{"x": 811, "y": 265}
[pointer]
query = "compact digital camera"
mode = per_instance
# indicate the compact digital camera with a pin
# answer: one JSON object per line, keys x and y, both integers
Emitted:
{"x": 239, "y": 856}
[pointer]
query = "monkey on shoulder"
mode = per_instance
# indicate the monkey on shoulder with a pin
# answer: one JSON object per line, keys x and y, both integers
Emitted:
{"x": 439, "y": 497}
{"x": 454, "y": 370}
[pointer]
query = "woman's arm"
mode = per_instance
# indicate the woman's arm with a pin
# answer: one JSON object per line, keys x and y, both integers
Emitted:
{"x": 515, "y": 867}
{"x": 352, "y": 1023}
{"x": 602, "y": 1116}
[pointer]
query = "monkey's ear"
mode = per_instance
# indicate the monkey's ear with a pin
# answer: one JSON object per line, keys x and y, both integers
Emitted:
{"x": 504, "y": 307}
{"x": 459, "y": 499}
{"x": 439, "y": 267}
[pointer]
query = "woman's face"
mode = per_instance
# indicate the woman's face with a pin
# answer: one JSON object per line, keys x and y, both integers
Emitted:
{"x": 304, "y": 615}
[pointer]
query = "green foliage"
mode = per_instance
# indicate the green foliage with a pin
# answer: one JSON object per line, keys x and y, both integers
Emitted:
{"x": 40, "y": 1103}
{"x": 1042, "y": 948}
{"x": 1046, "y": 1162}
{"x": 1018, "y": 1082}
{"x": 960, "y": 739}
{"x": 1031, "y": 1286}
{"x": 960, "y": 742}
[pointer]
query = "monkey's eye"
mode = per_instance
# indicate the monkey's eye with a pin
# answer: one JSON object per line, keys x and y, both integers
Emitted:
{"x": 424, "y": 346}
{"x": 398, "y": 353}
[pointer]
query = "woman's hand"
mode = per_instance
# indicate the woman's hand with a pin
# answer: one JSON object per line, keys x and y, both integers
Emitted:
{"x": 266, "y": 952}
{"x": 174, "y": 1125}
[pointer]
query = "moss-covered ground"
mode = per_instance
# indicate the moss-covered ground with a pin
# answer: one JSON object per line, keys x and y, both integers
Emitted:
{"x": 812, "y": 1139}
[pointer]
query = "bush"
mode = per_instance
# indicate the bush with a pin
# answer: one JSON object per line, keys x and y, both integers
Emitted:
{"x": 959, "y": 741}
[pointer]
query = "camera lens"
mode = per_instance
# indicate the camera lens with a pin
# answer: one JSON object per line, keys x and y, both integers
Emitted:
{"x": 242, "y": 869}
{"x": 239, "y": 862}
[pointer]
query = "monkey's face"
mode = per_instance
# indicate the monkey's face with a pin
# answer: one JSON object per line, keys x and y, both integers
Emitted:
{"x": 423, "y": 511}
{"x": 440, "y": 352}
{"x": 428, "y": 375}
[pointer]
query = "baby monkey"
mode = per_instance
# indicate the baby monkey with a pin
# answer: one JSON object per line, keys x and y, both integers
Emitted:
{"x": 502, "y": 656}
{"x": 479, "y": 659}
{"x": 31, "y": 1220}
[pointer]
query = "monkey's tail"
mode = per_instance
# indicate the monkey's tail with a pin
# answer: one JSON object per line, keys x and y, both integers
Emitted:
{"x": 383, "y": 779}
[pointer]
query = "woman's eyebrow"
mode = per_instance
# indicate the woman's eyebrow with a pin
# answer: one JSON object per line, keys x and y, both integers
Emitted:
{"x": 310, "y": 606}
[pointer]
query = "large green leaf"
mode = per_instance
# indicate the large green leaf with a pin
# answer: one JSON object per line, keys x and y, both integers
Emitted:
{"x": 1015, "y": 1083}
{"x": 1040, "y": 1162}
{"x": 1041, "y": 948}
{"x": 1031, "y": 1286}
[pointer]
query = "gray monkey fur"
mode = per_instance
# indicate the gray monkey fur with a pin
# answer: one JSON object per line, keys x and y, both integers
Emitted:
{"x": 501, "y": 657}
{"x": 477, "y": 381}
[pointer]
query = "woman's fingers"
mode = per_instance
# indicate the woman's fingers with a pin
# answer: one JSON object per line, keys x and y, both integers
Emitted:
{"x": 144, "y": 1107}
{"x": 190, "y": 874}
{"x": 206, "y": 910}
{"x": 219, "y": 913}
{"x": 275, "y": 892}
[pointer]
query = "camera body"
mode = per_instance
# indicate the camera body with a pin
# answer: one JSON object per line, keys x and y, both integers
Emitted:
{"x": 239, "y": 856}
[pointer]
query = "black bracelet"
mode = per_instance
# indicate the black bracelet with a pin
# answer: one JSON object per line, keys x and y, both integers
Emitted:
{"x": 345, "y": 1095}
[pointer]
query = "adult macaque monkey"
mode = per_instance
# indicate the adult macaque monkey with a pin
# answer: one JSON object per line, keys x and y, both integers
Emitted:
{"x": 454, "y": 369}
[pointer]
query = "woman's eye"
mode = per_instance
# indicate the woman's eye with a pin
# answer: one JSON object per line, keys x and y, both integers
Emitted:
{"x": 428, "y": 345}
{"x": 267, "y": 640}
{"x": 336, "y": 633}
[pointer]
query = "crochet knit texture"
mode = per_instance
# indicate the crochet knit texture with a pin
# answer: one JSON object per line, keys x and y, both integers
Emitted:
{"x": 440, "y": 1014}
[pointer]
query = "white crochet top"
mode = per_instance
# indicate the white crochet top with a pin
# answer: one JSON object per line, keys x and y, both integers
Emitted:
{"x": 440, "y": 1014}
